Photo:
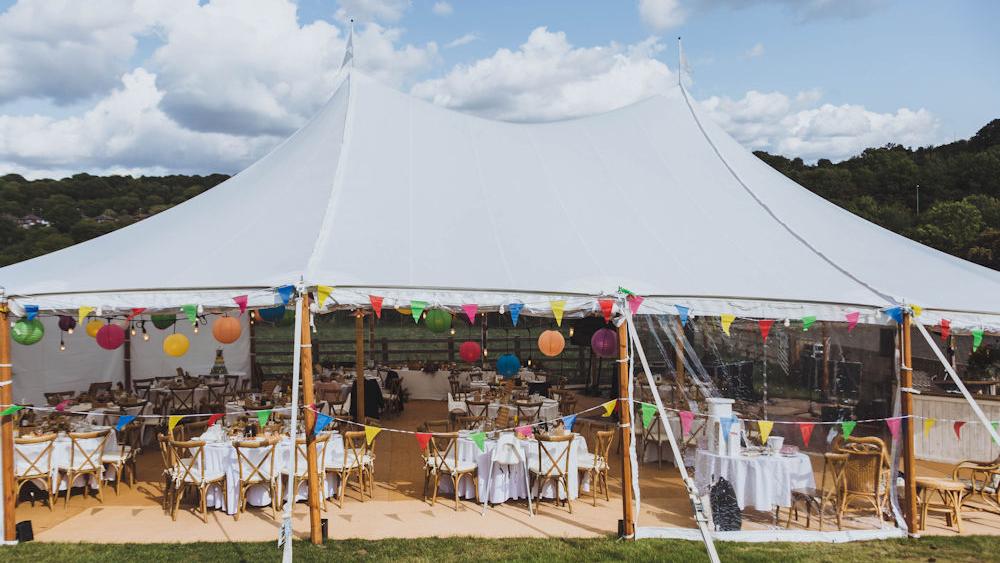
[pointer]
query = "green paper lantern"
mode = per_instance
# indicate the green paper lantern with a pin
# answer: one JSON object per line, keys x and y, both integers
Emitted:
{"x": 27, "y": 332}
{"x": 438, "y": 320}
{"x": 163, "y": 321}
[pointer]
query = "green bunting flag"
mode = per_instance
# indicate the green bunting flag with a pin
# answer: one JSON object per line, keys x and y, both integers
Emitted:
{"x": 417, "y": 309}
{"x": 480, "y": 439}
{"x": 648, "y": 411}
{"x": 262, "y": 417}
{"x": 807, "y": 322}
{"x": 977, "y": 338}
{"x": 191, "y": 311}
{"x": 847, "y": 427}
{"x": 11, "y": 410}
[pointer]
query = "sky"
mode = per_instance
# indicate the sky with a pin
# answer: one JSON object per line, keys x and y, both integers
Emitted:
{"x": 148, "y": 87}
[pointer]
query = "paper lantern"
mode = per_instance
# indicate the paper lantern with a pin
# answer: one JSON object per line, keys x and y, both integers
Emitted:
{"x": 176, "y": 345}
{"x": 551, "y": 343}
{"x": 27, "y": 332}
{"x": 470, "y": 351}
{"x": 226, "y": 330}
{"x": 438, "y": 320}
{"x": 94, "y": 326}
{"x": 605, "y": 343}
{"x": 66, "y": 322}
{"x": 272, "y": 314}
{"x": 110, "y": 336}
{"x": 508, "y": 365}
{"x": 163, "y": 321}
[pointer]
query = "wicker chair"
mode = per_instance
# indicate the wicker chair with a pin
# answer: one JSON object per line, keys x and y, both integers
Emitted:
{"x": 866, "y": 476}
{"x": 981, "y": 479}
{"x": 817, "y": 499}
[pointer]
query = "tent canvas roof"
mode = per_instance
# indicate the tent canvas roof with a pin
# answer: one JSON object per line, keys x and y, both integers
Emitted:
{"x": 385, "y": 193}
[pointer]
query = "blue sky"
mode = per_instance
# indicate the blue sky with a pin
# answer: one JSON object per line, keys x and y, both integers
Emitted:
{"x": 813, "y": 78}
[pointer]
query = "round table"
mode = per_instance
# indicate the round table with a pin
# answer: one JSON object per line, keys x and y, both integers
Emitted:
{"x": 761, "y": 481}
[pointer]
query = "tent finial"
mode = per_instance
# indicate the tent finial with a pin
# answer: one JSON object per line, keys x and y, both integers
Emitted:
{"x": 349, "y": 51}
{"x": 681, "y": 62}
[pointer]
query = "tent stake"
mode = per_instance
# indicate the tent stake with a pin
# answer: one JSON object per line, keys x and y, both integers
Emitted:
{"x": 6, "y": 426}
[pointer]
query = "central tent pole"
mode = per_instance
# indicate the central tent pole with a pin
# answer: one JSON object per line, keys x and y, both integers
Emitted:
{"x": 359, "y": 369}
{"x": 6, "y": 426}
{"x": 679, "y": 361}
{"x": 906, "y": 408}
{"x": 625, "y": 424}
{"x": 306, "y": 368}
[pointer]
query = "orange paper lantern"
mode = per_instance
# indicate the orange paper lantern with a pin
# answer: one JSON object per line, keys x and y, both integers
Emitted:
{"x": 551, "y": 343}
{"x": 226, "y": 330}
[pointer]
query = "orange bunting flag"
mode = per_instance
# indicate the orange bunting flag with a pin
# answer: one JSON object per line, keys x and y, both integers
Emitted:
{"x": 609, "y": 407}
{"x": 423, "y": 438}
{"x": 958, "y": 428}
{"x": 765, "y": 328}
{"x": 607, "y": 306}
{"x": 928, "y": 424}
{"x": 370, "y": 433}
{"x": 727, "y": 321}
{"x": 558, "y": 307}
{"x": 765, "y": 427}
{"x": 806, "y": 429}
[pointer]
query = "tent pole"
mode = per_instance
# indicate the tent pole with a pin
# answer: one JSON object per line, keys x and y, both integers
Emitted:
{"x": 679, "y": 361}
{"x": 625, "y": 424}
{"x": 909, "y": 462}
{"x": 306, "y": 368}
{"x": 127, "y": 353}
{"x": 7, "y": 427}
{"x": 359, "y": 369}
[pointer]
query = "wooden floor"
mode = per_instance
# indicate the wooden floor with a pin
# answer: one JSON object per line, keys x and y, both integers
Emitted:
{"x": 398, "y": 509}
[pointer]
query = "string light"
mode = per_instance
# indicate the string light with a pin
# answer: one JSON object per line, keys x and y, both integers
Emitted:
{"x": 571, "y": 332}
{"x": 196, "y": 328}
{"x": 133, "y": 330}
{"x": 69, "y": 330}
{"x": 453, "y": 331}
{"x": 145, "y": 335}
{"x": 62, "y": 344}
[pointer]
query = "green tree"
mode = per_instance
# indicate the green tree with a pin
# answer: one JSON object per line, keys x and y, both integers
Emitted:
{"x": 950, "y": 226}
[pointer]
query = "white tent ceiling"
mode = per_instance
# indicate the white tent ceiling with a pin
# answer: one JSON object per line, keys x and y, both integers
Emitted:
{"x": 384, "y": 193}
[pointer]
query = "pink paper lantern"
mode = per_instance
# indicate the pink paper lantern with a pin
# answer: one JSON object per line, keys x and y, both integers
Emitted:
{"x": 470, "y": 351}
{"x": 110, "y": 336}
{"x": 605, "y": 343}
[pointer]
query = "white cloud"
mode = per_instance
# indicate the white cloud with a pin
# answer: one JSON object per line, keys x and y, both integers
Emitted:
{"x": 754, "y": 52}
{"x": 372, "y": 10}
{"x": 805, "y": 10}
{"x": 463, "y": 40}
{"x": 662, "y": 14}
{"x": 442, "y": 9}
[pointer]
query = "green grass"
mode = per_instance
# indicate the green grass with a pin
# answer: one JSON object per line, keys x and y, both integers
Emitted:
{"x": 438, "y": 550}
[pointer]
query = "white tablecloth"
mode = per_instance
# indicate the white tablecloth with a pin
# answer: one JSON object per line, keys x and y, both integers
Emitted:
{"x": 762, "y": 482}
{"x": 61, "y": 450}
{"x": 510, "y": 484}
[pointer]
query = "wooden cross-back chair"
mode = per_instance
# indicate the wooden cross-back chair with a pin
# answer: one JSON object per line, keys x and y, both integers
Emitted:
{"x": 300, "y": 465}
{"x": 528, "y": 412}
{"x": 445, "y": 461}
{"x": 354, "y": 462}
{"x": 181, "y": 401}
{"x": 128, "y": 449}
{"x": 169, "y": 462}
{"x": 33, "y": 460}
{"x": 552, "y": 465}
{"x": 469, "y": 422}
{"x": 232, "y": 386}
{"x": 255, "y": 459}
{"x": 86, "y": 460}
{"x": 267, "y": 386}
{"x": 596, "y": 464}
{"x": 217, "y": 393}
{"x": 438, "y": 426}
{"x": 567, "y": 403}
{"x": 190, "y": 471}
{"x": 478, "y": 409}
{"x": 99, "y": 387}
{"x": 141, "y": 387}
{"x": 56, "y": 397}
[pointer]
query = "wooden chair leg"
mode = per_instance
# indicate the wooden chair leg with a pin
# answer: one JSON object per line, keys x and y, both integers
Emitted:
{"x": 456, "y": 479}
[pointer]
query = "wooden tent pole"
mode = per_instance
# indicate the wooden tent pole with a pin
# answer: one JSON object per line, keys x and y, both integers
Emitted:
{"x": 359, "y": 369}
{"x": 679, "y": 362}
{"x": 909, "y": 461}
{"x": 7, "y": 426}
{"x": 306, "y": 371}
{"x": 625, "y": 424}
{"x": 127, "y": 353}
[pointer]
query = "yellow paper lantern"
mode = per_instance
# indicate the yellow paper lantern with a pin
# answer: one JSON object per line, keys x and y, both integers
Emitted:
{"x": 92, "y": 328}
{"x": 226, "y": 330}
{"x": 551, "y": 343}
{"x": 176, "y": 345}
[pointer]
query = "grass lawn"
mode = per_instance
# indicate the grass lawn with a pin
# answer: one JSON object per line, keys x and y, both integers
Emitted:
{"x": 972, "y": 548}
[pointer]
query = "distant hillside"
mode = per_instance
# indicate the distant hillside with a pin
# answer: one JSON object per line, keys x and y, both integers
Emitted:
{"x": 959, "y": 198}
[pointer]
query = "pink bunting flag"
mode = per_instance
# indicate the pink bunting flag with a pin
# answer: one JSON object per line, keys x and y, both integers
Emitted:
{"x": 423, "y": 438}
{"x": 470, "y": 311}
{"x": 893, "y": 424}
{"x": 523, "y": 431}
{"x": 241, "y": 301}
{"x": 852, "y": 320}
{"x": 765, "y": 328}
{"x": 62, "y": 405}
{"x": 634, "y": 301}
{"x": 376, "y": 301}
{"x": 135, "y": 311}
{"x": 945, "y": 329}
{"x": 686, "y": 418}
{"x": 958, "y": 428}
{"x": 806, "y": 429}
{"x": 607, "y": 306}
{"x": 215, "y": 418}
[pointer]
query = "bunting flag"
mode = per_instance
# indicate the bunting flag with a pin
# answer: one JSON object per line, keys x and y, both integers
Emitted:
{"x": 847, "y": 426}
{"x": 216, "y": 417}
{"x": 262, "y": 417}
{"x": 191, "y": 312}
{"x": 30, "y": 312}
{"x": 417, "y": 309}
{"x": 609, "y": 407}
{"x": 895, "y": 313}
{"x": 686, "y": 418}
{"x": 852, "y": 320}
{"x": 172, "y": 422}
{"x": 727, "y": 320}
{"x": 945, "y": 329}
{"x": 648, "y": 411}
{"x": 893, "y": 424}
{"x": 634, "y": 301}
{"x": 423, "y": 438}
{"x": 285, "y": 293}
{"x": 470, "y": 311}
{"x": 765, "y": 328}
{"x": 322, "y": 294}
{"x": 322, "y": 421}
{"x": 625, "y": 291}
{"x": 765, "y": 427}
{"x": 123, "y": 420}
{"x": 241, "y": 302}
{"x": 727, "y": 425}
{"x": 807, "y": 322}
{"x": 917, "y": 310}
{"x": 607, "y": 307}
{"x": 928, "y": 424}
{"x": 523, "y": 431}
{"x": 136, "y": 311}
{"x": 683, "y": 312}
{"x": 977, "y": 338}
{"x": 84, "y": 311}
{"x": 62, "y": 405}
{"x": 376, "y": 301}
{"x": 479, "y": 438}
{"x": 11, "y": 410}
{"x": 515, "y": 311}
{"x": 558, "y": 306}
{"x": 806, "y": 430}
{"x": 370, "y": 433}
{"x": 958, "y": 428}
{"x": 568, "y": 422}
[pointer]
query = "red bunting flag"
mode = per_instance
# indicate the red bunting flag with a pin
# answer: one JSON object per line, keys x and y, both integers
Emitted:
{"x": 135, "y": 311}
{"x": 215, "y": 418}
{"x": 241, "y": 301}
{"x": 634, "y": 301}
{"x": 423, "y": 438}
{"x": 686, "y": 418}
{"x": 958, "y": 428}
{"x": 765, "y": 328}
{"x": 470, "y": 311}
{"x": 893, "y": 424}
{"x": 945, "y": 329}
{"x": 852, "y": 320}
{"x": 806, "y": 429}
{"x": 376, "y": 304}
{"x": 607, "y": 306}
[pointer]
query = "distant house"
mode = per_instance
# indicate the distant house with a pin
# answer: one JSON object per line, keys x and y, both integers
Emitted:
{"x": 30, "y": 220}
{"x": 102, "y": 218}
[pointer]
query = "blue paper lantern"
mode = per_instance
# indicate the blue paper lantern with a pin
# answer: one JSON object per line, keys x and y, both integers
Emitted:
{"x": 272, "y": 315}
{"x": 508, "y": 365}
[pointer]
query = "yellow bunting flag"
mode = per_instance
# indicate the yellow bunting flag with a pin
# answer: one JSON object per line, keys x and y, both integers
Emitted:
{"x": 84, "y": 311}
{"x": 370, "y": 433}
{"x": 322, "y": 294}
{"x": 765, "y": 427}
{"x": 609, "y": 407}
{"x": 727, "y": 320}
{"x": 557, "y": 310}
{"x": 928, "y": 424}
{"x": 174, "y": 419}
{"x": 917, "y": 309}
